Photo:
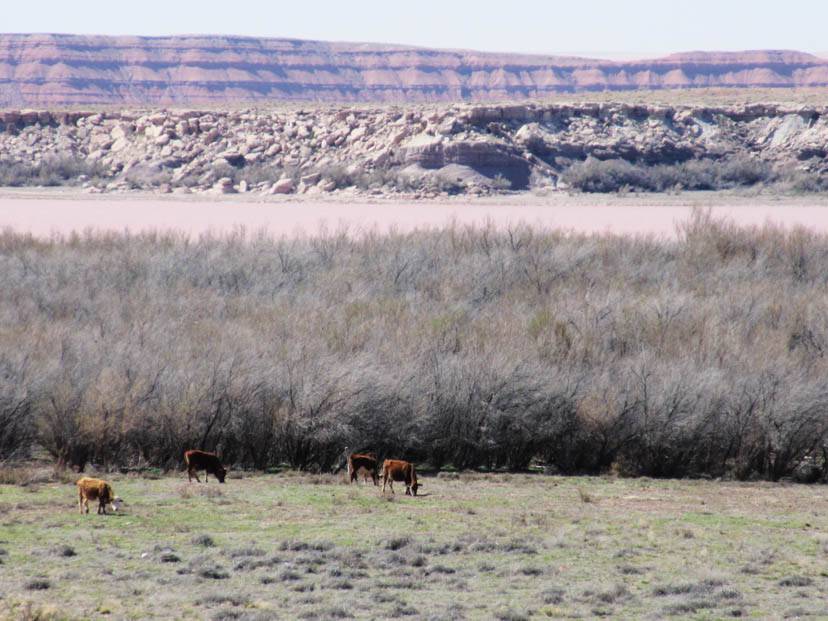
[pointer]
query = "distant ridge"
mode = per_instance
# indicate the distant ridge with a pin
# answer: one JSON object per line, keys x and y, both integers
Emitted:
{"x": 48, "y": 70}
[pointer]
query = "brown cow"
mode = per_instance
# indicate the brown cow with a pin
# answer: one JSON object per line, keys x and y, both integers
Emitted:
{"x": 367, "y": 462}
{"x": 398, "y": 470}
{"x": 201, "y": 460}
{"x": 96, "y": 489}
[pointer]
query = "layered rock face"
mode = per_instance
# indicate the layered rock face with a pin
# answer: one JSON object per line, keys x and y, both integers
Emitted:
{"x": 418, "y": 150}
{"x": 61, "y": 70}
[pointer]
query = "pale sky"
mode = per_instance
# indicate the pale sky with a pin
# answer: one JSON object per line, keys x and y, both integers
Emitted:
{"x": 612, "y": 28}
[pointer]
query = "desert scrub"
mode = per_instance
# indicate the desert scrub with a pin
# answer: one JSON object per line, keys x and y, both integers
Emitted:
{"x": 52, "y": 170}
{"x": 614, "y": 175}
{"x": 470, "y": 348}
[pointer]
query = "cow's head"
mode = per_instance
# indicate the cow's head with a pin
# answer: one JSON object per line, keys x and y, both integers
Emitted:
{"x": 221, "y": 472}
{"x": 414, "y": 487}
{"x": 116, "y": 503}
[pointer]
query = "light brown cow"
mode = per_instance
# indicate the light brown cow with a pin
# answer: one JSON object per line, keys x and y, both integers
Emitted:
{"x": 96, "y": 489}
{"x": 365, "y": 462}
{"x": 398, "y": 470}
{"x": 201, "y": 460}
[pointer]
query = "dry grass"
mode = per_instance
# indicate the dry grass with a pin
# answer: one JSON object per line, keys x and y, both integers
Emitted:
{"x": 518, "y": 546}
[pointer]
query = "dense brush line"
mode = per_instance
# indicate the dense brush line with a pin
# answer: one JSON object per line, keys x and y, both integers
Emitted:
{"x": 703, "y": 355}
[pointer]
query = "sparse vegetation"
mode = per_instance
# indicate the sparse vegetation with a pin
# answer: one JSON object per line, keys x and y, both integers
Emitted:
{"x": 52, "y": 170}
{"x": 461, "y": 347}
{"x": 617, "y": 175}
{"x": 474, "y": 547}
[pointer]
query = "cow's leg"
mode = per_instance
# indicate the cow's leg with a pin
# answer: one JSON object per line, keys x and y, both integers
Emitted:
{"x": 384, "y": 481}
{"x": 193, "y": 473}
{"x": 80, "y": 502}
{"x": 101, "y": 506}
{"x": 375, "y": 478}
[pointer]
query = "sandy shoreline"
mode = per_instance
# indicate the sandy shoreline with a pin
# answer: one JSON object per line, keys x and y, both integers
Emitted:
{"x": 47, "y": 212}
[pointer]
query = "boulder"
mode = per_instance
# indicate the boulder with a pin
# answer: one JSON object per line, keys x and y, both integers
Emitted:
{"x": 282, "y": 186}
{"x": 224, "y": 186}
{"x": 119, "y": 145}
{"x": 234, "y": 158}
{"x": 311, "y": 179}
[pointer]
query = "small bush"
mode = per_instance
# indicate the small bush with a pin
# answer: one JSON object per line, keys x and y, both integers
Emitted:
{"x": 217, "y": 599}
{"x": 65, "y": 551}
{"x": 796, "y": 581}
{"x": 397, "y": 543}
{"x": 213, "y": 573}
{"x": 553, "y": 596}
{"x": 38, "y": 584}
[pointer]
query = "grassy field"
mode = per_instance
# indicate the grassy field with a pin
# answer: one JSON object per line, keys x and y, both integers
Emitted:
{"x": 471, "y": 546}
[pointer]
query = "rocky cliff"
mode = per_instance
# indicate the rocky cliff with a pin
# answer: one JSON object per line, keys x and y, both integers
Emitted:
{"x": 61, "y": 70}
{"x": 420, "y": 150}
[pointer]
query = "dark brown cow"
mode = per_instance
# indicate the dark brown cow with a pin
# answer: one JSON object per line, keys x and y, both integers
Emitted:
{"x": 367, "y": 462}
{"x": 96, "y": 489}
{"x": 398, "y": 470}
{"x": 201, "y": 460}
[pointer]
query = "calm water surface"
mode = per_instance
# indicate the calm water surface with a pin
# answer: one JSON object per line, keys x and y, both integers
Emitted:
{"x": 45, "y": 216}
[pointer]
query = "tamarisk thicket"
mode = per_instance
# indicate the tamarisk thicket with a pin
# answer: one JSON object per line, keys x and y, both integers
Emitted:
{"x": 703, "y": 355}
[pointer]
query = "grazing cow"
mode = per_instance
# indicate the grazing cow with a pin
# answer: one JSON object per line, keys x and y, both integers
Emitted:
{"x": 201, "y": 460}
{"x": 367, "y": 463}
{"x": 398, "y": 470}
{"x": 96, "y": 489}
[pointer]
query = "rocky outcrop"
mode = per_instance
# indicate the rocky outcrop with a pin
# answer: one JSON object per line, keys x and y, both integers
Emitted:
{"x": 48, "y": 70}
{"x": 421, "y": 151}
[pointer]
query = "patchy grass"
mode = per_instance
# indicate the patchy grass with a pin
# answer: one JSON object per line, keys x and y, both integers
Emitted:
{"x": 499, "y": 546}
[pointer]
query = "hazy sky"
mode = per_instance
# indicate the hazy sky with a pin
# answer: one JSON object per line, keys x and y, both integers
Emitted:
{"x": 609, "y": 27}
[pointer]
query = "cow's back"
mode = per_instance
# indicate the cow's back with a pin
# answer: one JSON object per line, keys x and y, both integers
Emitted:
{"x": 363, "y": 460}
{"x": 94, "y": 489}
{"x": 395, "y": 469}
{"x": 201, "y": 459}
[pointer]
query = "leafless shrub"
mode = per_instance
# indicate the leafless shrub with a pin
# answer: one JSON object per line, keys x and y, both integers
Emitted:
{"x": 462, "y": 347}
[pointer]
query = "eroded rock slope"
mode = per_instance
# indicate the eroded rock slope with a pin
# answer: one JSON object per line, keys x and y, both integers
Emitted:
{"x": 417, "y": 150}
